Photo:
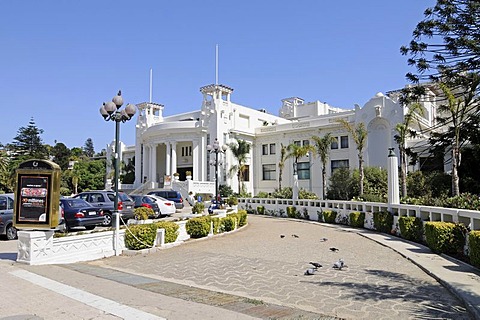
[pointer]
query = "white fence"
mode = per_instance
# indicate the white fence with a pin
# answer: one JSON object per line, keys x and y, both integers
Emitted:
{"x": 313, "y": 208}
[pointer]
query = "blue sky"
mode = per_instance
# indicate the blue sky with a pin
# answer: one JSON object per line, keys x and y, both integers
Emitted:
{"x": 61, "y": 59}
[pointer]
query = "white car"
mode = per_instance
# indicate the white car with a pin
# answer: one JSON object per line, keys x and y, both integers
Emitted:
{"x": 167, "y": 207}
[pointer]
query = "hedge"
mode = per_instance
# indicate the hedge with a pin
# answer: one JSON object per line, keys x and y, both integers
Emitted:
{"x": 357, "y": 219}
{"x": 411, "y": 228}
{"x": 198, "y": 227}
{"x": 261, "y": 210}
{"x": 383, "y": 221}
{"x": 143, "y": 213}
{"x": 171, "y": 230}
{"x": 474, "y": 243}
{"x": 329, "y": 216}
{"x": 445, "y": 237}
{"x": 140, "y": 236}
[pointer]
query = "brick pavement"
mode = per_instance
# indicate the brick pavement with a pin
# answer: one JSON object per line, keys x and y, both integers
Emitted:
{"x": 256, "y": 263}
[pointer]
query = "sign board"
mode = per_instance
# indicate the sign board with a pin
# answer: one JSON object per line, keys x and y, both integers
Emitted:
{"x": 37, "y": 195}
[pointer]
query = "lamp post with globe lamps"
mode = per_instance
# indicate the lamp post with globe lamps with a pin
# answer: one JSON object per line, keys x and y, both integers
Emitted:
{"x": 215, "y": 148}
{"x": 111, "y": 111}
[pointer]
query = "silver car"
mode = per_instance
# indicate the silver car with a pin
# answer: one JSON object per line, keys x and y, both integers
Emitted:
{"x": 6, "y": 216}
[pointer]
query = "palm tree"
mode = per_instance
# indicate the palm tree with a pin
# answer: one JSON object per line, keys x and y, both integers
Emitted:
{"x": 404, "y": 131}
{"x": 240, "y": 149}
{"x": 322, "y": 146}
{"x": 281, "y": 164}
{"x": 359, "y": 135}
{"x": 296, "y": 152}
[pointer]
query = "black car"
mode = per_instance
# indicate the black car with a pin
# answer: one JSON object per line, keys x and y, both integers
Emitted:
{"x": 104, "y": 199}
{"x": 147, "y": 202}
{"x": 171, "y": 195}
{"x": 79, "y": 213}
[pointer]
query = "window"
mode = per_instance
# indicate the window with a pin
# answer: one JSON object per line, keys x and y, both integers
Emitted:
{"x": 269, "y": 172}
{"x": 264, "y": 149}
{"x": 344, "y": 142}
{"x": 246, "y": 173}
{"x": 334, "y": 144}
{"x": 272, "y": 148}
{"x": 306, "y": 142}
{"x": 298, "y": 143}
{"x": 187, "y": 151}
{"x": 335, "y": 164}
{"x": 303, "y": 170}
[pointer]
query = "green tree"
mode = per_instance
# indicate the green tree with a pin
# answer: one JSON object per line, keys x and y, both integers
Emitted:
{"x": 340, "y": 185}
{"x": 359, "y": 135}
{"x": 61, "y": 155}
{"x": 88, "y": 149}
{"x": 322, "y": 148}
{"x": 28, "y": 143}
{"x": 296, "y": 152}
{"x": 90, "y": 175}
{"x": 405, "y": 131}
{"x": 445, "y": 43}
{"x": 6, "y": 184}
{"x": 240, "y": 149}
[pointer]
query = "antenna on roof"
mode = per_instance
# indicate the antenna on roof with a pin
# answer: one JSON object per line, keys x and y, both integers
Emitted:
{"x": 216, "y": 64}
{"x": 151, "y": 78}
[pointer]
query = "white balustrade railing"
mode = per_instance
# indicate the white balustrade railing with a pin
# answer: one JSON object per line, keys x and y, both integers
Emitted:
{"x": 470, "y": 218}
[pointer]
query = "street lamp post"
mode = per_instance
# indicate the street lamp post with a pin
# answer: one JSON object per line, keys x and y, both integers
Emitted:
{"x": 215, "y": 148}
{"x": 111, "y": 111}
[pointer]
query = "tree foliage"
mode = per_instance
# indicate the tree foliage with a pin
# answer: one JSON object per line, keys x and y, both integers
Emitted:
{"x": 88, "y": 149}
{"x": 322, "y": 148}
{"x": 28, "y": 144}
{"x": 240, "y": 150}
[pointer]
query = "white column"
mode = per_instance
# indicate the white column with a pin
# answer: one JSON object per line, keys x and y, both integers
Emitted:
{"x": 154, "y": 165}
{"x": 168, "y": 158}
{"x": 174, "y": 157}
{"x": 138, "y": 163}
{"x": 195, "y": 154}
{"x": 146, "y": 161}
{"x": 392, "y": 170}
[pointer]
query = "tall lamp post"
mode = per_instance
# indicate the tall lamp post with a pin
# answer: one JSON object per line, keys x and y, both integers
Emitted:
{"x": 111, "y": 111}
{"x": 215, "y": 148}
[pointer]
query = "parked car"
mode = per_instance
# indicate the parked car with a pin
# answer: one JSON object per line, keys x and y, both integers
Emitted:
{"x": 167, "y": 207}
{"x": 171, "y": 195}
{"x": 6, "y": 216}
{"x": 214, "y": 205}
{"x": 147, "y": 202}
{"x": 104, "y": 199}
{"x": 79, "y": 213}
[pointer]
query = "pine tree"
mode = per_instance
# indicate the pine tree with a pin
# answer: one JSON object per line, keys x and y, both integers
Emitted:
{"x": 28, "y": 143}
{"x": 88, "y": 148}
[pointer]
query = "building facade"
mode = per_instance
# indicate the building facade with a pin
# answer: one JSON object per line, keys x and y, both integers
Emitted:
{"x": 177, "y": 144}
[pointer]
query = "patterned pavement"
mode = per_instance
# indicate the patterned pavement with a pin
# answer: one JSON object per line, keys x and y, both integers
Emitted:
{"x": 257, "y": 263}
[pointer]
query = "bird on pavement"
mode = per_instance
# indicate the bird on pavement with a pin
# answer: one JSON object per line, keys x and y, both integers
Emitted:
{"x": 333, "y": 249}
{"x": 294, "y": 235}
{"x": 316, "y": 264}
{"x": 339, "y": 264}
{"x": 310, "y": 271}
{"x": 282, "y": 236}
{"x": 323, "y": 239}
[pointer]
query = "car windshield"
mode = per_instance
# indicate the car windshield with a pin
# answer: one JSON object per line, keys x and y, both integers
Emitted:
{"x": 75, "y": 203}
{"x": 160, "y": 198}
{"x": 124, "y": 197}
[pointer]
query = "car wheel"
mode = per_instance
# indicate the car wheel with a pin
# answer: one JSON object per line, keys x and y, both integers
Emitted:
{"x": 11, "y": 232}
{"x": 158, "y": 215}
{"x": 107, "y": 220}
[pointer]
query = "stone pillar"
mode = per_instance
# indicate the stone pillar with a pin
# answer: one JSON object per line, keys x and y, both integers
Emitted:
{"x": 146, "y": 157}
{"x": 168, "y": 160}
{"x": 138, "y": 161}
{"x": 392, "y": 170}
{"x": 195, "y": 157}
{"x": 153, "y": 163}
{"x": 174, "y": 157}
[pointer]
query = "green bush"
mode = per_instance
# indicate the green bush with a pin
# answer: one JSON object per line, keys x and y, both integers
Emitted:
{"x": 232, "y": 201}
{"x": 293, "y": 213}
{"x": 171, "y": 230}
{"x": 198, "y": 207}
{"x": 142, "y": 213}
{"x": 329, "y": 216}
{"x": 411, "y": 228}
{"x": 242, "y": 218}
{"x": 383, "y": 221}
{"x": 357, "y": 219}
{"x": 261, "y": 210}
{"x": 445, "y": 237}
{"x": 140, "y": 236}
{"x": 228, "y": 223}
{"x": 474, "y": 244}
{"x": 198, "y": 227}
{"x": 262, "y": 195}
{"x": 216, "y": 225}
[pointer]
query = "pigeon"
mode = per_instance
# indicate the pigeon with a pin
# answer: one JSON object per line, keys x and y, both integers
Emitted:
{"x": 282, "y": 236}
{"x": 333, "y": 249}
{"x": 323, "y": 239}
{"x": 294, "y": 235}
{"x": 310, "y": 271}
{"x": 316, "y": 264}
{"x": 339, "y": 264}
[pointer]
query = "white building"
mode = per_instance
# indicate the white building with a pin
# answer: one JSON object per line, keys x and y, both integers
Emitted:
{"x": 178, "y": 143}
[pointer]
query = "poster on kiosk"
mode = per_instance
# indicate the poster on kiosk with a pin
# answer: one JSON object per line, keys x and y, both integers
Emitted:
{"x": 37, "y": 195}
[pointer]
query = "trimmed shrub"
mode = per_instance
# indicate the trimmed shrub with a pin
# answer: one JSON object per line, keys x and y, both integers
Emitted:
{"x": 198, "y": 207}
{"x": 140, "y": 236}
{"x": 216, "y": 225}
{"x": 474, "y": 243}
{"x": 198, "y": 227}
{"x": 228, "y": 223}
{"x": 329, "y": 216}
{"x": 171, "y": 230}
{"x": 232, "y": 201}
{"x": 357, "y": 219}
{"x": 242, "y": 218}
{"x": 383, "y": 221}
{"x": 292, "y": 212}
{"x": 142, "y": 213}
{"x": 261, "y": 210}
{"x": 411, "y": 228}
{"x": 445, "y": 237}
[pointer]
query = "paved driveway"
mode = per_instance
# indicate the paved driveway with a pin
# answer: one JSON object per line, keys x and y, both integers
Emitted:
{"x": 257, "y": 263}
